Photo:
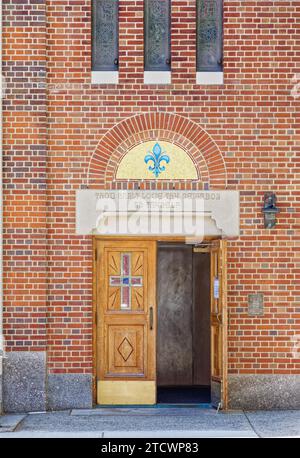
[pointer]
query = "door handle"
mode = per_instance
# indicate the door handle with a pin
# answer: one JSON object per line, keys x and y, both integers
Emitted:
{"x": 151, "y": 318}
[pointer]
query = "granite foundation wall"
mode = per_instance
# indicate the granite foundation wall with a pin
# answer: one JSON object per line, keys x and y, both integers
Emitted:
{"x": 251, "y": 392}
{"x": 69, "y": 391}
{"x": 28, "y": 388}
{"x": 24, "y": 381}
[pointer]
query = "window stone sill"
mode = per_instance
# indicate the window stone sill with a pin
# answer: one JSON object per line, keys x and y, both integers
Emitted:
{"x": 109, "y": 77}
{"x": 210, "y": 78}
{"x": 157, "y": 77}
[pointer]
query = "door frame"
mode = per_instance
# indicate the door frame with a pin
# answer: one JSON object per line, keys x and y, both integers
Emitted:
{"x": 172, "y": 239}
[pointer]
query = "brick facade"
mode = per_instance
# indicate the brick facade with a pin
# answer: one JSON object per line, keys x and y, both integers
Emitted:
{"x": 61, "y": 133}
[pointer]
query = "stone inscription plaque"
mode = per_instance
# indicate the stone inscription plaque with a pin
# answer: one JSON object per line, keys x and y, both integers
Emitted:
{"x": 113, "y": 212}
{"x": 256, "y": 304}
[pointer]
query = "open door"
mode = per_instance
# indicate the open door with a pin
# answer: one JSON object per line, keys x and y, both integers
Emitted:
{"x": 218, "y": 323}
{"x": 126, "y": 322}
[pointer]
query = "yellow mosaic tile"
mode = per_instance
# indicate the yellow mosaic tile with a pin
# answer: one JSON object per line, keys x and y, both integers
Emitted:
{"x": 157, "y": 160}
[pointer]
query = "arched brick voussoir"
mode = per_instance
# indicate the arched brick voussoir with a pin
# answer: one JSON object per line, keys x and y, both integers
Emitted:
{"x": 168, "y": 126}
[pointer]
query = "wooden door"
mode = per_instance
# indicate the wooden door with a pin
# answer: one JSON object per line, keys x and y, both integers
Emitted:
{"x": 126, "y": 322}
{"x": 218, "y": 322}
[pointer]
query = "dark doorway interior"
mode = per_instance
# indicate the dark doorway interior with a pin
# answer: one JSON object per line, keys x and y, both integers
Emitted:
{"x": 193, "y": 394}
{"x": 183, "y": 338}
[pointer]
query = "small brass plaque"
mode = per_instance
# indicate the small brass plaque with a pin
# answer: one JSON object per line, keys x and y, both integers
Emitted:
{"x": 256, "y": 304}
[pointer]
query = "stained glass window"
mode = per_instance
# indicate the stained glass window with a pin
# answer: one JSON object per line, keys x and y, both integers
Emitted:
{"x": 209, "y": 35}
{"x": 157, "y": 35}
{"x": 125, "y": 281}
{"x": 105, "y": 35}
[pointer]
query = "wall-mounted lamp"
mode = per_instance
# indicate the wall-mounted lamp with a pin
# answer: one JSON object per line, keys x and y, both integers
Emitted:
{"x": 269, "y": 210}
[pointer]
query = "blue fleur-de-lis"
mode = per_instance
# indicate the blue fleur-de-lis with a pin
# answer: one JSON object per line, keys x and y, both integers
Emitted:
{"x": 157, "y": 156}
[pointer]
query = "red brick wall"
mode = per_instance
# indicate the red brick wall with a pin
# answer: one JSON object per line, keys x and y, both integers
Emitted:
{"x": 24, "y": 159}
{"x": 252, "y": 120}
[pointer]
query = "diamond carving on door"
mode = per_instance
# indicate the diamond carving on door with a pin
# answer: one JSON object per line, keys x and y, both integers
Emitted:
{"x": 125, "y": 349}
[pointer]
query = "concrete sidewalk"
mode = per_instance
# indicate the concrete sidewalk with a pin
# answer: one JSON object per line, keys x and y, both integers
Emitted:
{"x": 152, "y": 422}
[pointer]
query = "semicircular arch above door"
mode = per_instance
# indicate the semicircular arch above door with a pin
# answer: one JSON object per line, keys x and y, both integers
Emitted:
{"x": 121, "y": 161}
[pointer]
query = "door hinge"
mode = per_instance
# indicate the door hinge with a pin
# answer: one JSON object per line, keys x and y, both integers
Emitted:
{"x": 201, "y": 249}
{"x": 96, "y": 317}
{"x": 96, "y": 255}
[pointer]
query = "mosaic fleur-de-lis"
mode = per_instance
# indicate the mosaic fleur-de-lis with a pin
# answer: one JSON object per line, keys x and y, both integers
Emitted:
{"x": 156, "y": 156}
